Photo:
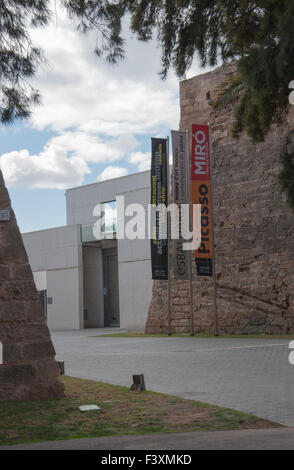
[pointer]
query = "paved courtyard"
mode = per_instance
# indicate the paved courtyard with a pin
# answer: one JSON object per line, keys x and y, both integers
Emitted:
{"x": 246, "y": 374}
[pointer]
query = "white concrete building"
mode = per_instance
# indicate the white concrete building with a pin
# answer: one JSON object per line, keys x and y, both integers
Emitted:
{"x": 86, "y": 282}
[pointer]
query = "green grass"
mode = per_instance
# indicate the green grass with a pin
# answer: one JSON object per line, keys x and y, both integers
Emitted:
{"x": 140, "y": 334}
{"x": 128, "y": 413}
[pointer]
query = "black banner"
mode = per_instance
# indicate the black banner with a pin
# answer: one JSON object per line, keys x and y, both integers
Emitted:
{"x": 159, "y": 196}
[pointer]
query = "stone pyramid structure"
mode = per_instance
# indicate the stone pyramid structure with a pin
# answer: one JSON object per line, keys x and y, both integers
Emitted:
{"x": 28, "y": 370}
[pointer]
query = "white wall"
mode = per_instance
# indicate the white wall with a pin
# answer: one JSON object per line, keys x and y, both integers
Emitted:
{"x": 135, "y": 290}
{"x": 134, "y": 263}
{"x": 63, "y": 286}
{"x": 55, "y": 248}
{"x": 80, "y": 202}
{"x": 58, "y": 252}
{"x": 134, "y": 267}
{"x": 40, "y": 278}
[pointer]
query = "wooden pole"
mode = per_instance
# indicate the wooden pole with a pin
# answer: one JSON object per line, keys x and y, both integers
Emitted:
{"x": 216, "y": 331}
{"x": 169, "y": 332}
{"x": 192, "y": 331}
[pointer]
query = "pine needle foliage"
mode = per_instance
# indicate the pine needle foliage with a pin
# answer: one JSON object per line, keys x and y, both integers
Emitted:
{"x": 257, "y": 35}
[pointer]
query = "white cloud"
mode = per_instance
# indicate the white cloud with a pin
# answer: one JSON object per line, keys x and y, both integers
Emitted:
{"x": 80, "y": 91}
{"x": 95, "y": 109}
{"x": 63, "y": 161}
{"x": 52, "y": 168}
{"x": 142, "y": 160}
{"x": 111, "y": 172}
{"x": 92, "y": 148}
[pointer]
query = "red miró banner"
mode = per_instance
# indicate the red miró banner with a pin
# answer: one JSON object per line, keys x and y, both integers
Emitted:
{"x": 201, "y": 194}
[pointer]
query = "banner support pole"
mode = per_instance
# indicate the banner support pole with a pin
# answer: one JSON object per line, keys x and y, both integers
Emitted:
{"x": 216, "y": 331}
{"x": 169, "y": 332}
{"x": 192, "y": 331}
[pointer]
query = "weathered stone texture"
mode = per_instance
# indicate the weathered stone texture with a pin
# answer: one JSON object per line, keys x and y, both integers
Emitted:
{"x": 254, "y": 236}
{"x": 29, "y": 370}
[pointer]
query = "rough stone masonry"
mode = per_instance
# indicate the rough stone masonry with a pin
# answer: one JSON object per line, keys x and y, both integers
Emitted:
{"x": 254, "y": 228}
{"x": 29, "y": 370}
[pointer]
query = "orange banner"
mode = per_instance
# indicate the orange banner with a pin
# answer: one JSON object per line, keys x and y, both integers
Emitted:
{"x": 201, "y": 194}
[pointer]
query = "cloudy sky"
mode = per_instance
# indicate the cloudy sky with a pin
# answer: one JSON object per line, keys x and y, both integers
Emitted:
{"x": 95, "y": 122}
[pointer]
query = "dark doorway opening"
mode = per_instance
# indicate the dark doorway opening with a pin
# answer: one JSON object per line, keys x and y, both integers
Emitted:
{"x": 110, "y": 287}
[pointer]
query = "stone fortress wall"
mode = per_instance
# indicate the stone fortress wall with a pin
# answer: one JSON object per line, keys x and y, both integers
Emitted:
{"x": 254, "y": 229}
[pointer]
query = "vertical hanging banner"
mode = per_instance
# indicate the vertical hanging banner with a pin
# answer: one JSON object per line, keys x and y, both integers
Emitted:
{"x": 201, "y": 194}
{"x": 180, "y": 190}
{"x": 159, "y": 197}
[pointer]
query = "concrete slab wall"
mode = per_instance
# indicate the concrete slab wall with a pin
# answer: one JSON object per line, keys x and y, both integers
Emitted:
{"x": 63, "y": 287}
{"x": 76, "y": 284}
{"x": 55, "y": 255}
{"x": 134, "y": 266}
{"x": 80, "y": 202}
{"x": 56, "y": 248}
{"x": 40, "y": 278}
{"x": 135, "y": 289}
